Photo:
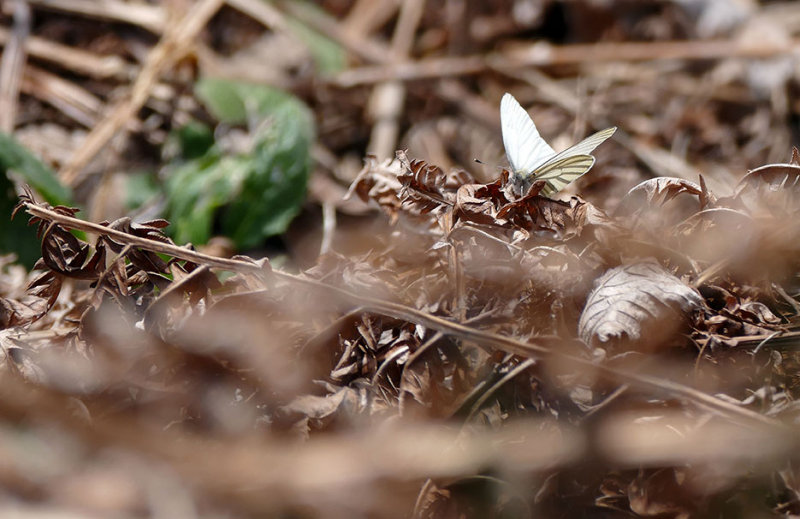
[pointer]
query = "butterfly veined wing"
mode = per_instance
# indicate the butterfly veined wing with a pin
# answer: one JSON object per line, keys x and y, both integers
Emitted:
{"x": 525, "y": 148}
{"x": 559, "y": 173}
{"x": 586, "y": 146}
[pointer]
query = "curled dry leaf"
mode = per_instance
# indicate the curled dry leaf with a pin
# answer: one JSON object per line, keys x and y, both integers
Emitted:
{"x": 733, "y": 316}
{"x": 654, "y": 191}
{"x": 634, "y": 303}
{"x": 479, "y": 202}
{"x": 147, "y": 261}
{"x": 378, "y": 181}
{"x": 771, "y": 189}
{"x": 417, "y": 188}
{"x": 411, "y": 186}
{"x": 662, "y": 201}
{"x": 19, "y": 313}
{"x": 428, "y": 178}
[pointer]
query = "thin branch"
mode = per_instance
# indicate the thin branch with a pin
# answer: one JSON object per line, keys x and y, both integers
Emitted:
{"x": 544, "y": 55}
{"x": 72, "y": 100}
{"x": 13, "y": 65}
{"x": 387, "y": 99}
{"x": 150, "y": 17}
{"x": 152, "y": 245}
{"x": 74, "y": 59}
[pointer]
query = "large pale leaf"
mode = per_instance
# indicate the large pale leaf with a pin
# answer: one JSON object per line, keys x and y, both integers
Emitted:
{"x": 641, "y": 304}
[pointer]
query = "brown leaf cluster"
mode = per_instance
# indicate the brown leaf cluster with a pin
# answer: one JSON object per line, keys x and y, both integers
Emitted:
{"x": 505, "y": 320}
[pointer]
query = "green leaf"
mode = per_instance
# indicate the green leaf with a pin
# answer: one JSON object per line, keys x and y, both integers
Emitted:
{"x": 15, "y": 235}
{"x": 192, "y": 140}
{"x": 33, "y": 171}
{"x": 250, "y": 194}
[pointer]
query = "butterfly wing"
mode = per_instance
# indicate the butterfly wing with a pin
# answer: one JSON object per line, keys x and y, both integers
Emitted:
{"x": 559, "y": 173}
{"x": 525, "y": 148}
{"x": 565, "y": 167}
{"x": 586, "y": 146}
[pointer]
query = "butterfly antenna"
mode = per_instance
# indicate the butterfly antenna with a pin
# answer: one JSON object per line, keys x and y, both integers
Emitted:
{"x": 482, "y": 163}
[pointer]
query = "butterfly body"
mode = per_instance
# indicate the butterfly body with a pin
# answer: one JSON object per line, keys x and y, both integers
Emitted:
{"x": 532, "y": 159}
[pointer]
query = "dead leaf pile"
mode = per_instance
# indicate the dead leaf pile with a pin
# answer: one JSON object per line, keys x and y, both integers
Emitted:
{"x": 506, "y": 335}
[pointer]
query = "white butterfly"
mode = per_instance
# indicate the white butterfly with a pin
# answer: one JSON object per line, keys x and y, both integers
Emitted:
{"x": 532, "y": 159}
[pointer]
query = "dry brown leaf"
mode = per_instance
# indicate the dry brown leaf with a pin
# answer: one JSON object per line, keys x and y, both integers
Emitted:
{"x": 655, "y": 192}
{"x": 772, "y": 189}
{"x": 661, "y": 493}
{"x": 639, "y": 305}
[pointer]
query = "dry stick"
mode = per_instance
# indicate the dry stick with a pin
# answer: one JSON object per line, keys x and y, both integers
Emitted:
{"x": 366, "y": 16}
{"x": 682, "y": 84}
{"x": 74, "y": 59}
{"x": 73, "y": 101}
{"x": 538, "y": 347}
{"x": 328, "y": 227}
{"x": 511, "y": 375}
{"x": 13, "y": 65}
{"x": 171, "y": 48}
{"x": 150, "y": 17}
{"x": 543, "y": 54}
{"x": 151, "y": 245}
{"x": 261, "y": 11}
{"x": 422, "y": 69}
{"x": 388, "y": 98}
{"x": 786, "y": 297}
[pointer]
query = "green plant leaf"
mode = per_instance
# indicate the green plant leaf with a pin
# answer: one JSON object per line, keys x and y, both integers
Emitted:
{"x": 15, "y": 235}
{"x": 192, "y": 140}
{"x": 252, "y": 193}
{"x": 33, "y": 171}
